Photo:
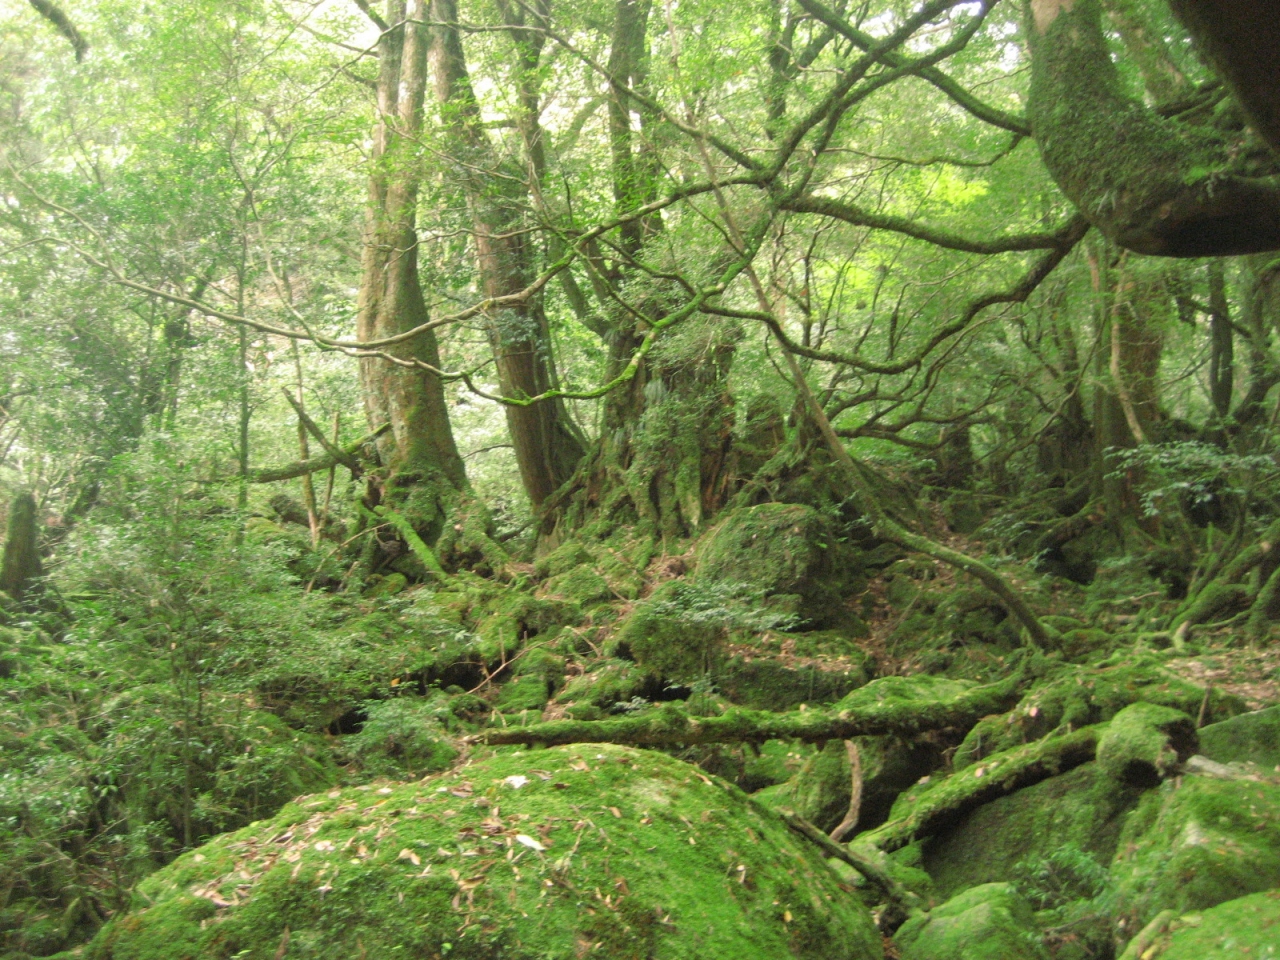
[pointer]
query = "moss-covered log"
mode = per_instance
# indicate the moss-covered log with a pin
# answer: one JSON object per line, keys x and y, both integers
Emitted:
{"x": 298, "y": 468}
{"x": 1152, "y": 185}
{"x": 942, "y": 804}
{"x": 670, "y": 724}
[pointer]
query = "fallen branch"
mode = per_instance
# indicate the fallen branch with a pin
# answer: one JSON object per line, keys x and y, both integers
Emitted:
{"x": 341, "y": 456}
{"x": 1001, "y": 774}
{"x": 905, "y": 902}
{"x": 292, "y": 470}
{"x": 669, "y": 724}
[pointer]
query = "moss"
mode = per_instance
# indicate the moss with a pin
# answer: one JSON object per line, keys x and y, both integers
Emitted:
{"x": 559, "y": 853}
{"x": 669, "y": 643}
{"x": 1144, "y": 743}
{"x": 1244, "y": 927}
{"x": 612, "y": 681}
{"x": 776, "y": 762}
{"x": 1249, "y": 738}
{"x": 568, "y": 556}
{"x": 1194, "y": 843}
{"x": 989, "y": 922}
{"x": 1076, "y": 696}
{"x": 528, "y": 692}
{"x": 1081, "y": 808}
{"x": 781, "y": 550}
{"x": 581, "y": 584}
{"x": 766, "y": 683}
{"x": 819, "y": 791}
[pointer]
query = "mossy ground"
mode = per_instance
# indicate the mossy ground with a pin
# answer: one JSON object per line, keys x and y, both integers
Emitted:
{"x": 565, "y": 852}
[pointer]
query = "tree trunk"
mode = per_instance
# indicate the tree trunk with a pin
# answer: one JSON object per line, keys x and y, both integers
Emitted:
{"x": 21, "y": 567}
{"x": 419, "y": 447}
{"x": 547, "y": 448}
{"x": 1151, "y": 185}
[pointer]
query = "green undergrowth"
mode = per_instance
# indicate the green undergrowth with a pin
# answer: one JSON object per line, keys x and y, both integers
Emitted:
{"x": 563, "y": 852}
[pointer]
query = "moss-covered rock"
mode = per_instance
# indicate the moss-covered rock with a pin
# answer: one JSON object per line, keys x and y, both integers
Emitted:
{"x": 1082, "y": 808}
{"x": 819, "y": 791}
{"x": 781, "y": 550}
{"x": 1249, "y": 738}
{"x": 1244, "y": 927}
{"x": 1145, "y": 743}
{"x": 1194, "y": 843}
{"x": 581, "y": 584}
{"x": 562, "y": 853}
{"x": 988, "y": 922}
{"x": 609, "y": 682}
{"x": 527, "y": 692}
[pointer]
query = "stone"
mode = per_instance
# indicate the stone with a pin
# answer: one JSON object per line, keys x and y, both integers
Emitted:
{"x": 987, "y": 922}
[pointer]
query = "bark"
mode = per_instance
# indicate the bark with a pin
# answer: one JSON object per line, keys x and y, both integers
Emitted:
{"x": 62, "y": 23}
{"x": 546, "y": 446}
{"x": 1152, "y": 185}
{"x": 300, "y": 468}
{"x": 669, "y": 724}
{"x": 1221, "y": 343}
{"x": 419, "y": 444}
{"x": 21, "y": 567}
{"x": 1240, "y": 39}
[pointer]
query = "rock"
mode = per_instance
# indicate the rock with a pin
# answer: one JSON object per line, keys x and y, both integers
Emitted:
{"x": 502, "y": 858}
{"x": 988, "y": 922}
{"x": 1244, "y": 927}
{"x": 528, "y": 692}
{"x": 1249, "y": 738}
{"x": 1194, "y": 843}
{"x": 1082, "y": 808}
{"x": 781, "y": 550}
{"x": 581, "y": 584}
{"x": 767, "y": 684}
{"x": 819, "y": 791}
{"x": 1145, "y": 743}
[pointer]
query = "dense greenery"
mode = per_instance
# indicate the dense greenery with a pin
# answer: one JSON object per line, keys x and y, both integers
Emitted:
{"x": 495, "y": 438}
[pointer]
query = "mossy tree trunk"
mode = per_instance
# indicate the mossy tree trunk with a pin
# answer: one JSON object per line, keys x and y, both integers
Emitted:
{"x": 418, "y": 450}
{"x": 664, "y": 457}
{"x": 1152, "y": 185}
{"x": 21, "y": 568}
{"x": 547, "y": 444}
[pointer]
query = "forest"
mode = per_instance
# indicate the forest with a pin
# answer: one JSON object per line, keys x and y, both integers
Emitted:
{"x": 641, "y": 479}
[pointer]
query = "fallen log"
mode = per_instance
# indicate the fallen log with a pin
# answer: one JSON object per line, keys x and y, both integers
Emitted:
{"x": 970, "y": 788}
{"x": 669, "y": 724}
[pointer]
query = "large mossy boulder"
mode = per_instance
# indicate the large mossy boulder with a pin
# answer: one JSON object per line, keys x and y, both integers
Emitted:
{"x": 1194, "y": 843}
{"x": 819, "y": 791}
{"x": 562, "y": 853}
{"x": 988, "y": 922}
{"x": 1249, "y": 738}
{"x": 787, "y": 552}
{"x": 1082, "y": 809}
{"x": 1247, "y": 927}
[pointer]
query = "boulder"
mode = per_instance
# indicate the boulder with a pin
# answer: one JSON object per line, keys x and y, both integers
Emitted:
{"x": 1193, "y": 843}
{"x": 988, "y": 922}
{"x": 1244, "y": 927}
{"x": 787, "y": 552}
{"x": 1145, "y": 743}
{"x": 1082, "y": 808}
{"x": 566, "y": 852}
{"x": 1249, "y": 738}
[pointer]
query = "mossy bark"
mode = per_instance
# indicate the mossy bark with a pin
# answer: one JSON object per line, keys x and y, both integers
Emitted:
{"x": 1151, "y": 185}
{"x": 972, "y": 787}
{"x": 669, "y": 724}
{"x": 21, "y": 568}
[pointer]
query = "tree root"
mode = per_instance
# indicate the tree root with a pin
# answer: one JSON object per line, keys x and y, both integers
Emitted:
{"x": 669, "y": 724}
{"x": 981, "y": 783}
{"x": 904, "y": 902}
